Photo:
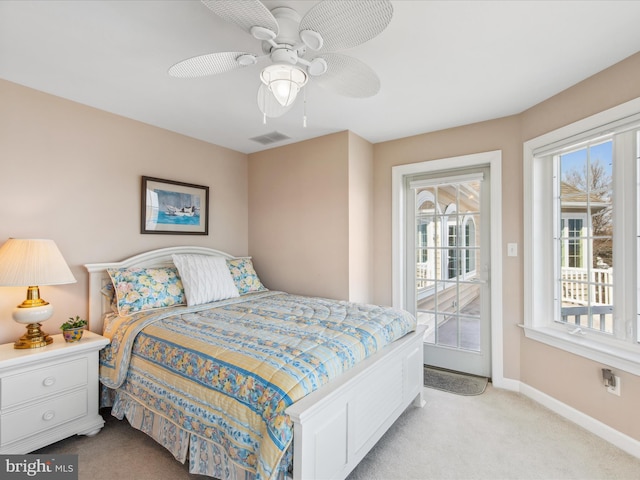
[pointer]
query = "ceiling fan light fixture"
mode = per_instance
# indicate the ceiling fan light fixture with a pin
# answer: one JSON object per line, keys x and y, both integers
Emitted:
{"x": 284, "y": 82}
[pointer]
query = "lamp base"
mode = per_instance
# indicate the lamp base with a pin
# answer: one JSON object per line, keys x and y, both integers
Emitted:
{"x": 34, "y": 338}
{"x": 30, "y": 313}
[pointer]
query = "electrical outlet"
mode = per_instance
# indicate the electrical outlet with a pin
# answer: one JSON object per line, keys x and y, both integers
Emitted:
{"x": 615, "y": 390}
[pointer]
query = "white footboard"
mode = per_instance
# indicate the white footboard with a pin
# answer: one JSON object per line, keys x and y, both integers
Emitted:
{"x": 336, "y": 426}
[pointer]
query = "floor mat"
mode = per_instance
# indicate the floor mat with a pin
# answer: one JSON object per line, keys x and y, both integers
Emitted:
{"x": 454, "y": 382}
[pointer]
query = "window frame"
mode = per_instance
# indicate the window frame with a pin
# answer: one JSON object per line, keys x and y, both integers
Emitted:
{"x": 539, "y": 281}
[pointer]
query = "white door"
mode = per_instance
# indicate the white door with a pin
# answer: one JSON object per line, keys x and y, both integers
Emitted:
{"x": 447, "y": 266}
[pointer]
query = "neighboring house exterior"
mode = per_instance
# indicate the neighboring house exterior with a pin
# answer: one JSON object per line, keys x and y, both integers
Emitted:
{"x": 586, "y": 279}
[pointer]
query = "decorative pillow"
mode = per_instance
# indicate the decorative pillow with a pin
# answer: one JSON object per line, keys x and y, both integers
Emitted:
{"x": 139, "y": 289}
{"x": 205, "y": 279}
{"x": 244, "y": 275}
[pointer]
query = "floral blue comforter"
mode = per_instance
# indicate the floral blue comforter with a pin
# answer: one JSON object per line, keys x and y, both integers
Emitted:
{"x": 226, "y": 372}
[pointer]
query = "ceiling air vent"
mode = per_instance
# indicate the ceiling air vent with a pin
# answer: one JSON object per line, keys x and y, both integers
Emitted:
{"x": 269, "y": 138}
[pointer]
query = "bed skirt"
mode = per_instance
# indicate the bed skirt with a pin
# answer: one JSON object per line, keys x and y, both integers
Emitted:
{"x": 205, "y": 456}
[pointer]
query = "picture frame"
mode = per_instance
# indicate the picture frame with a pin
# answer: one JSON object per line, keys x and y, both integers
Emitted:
{"x": 173, "y": 208}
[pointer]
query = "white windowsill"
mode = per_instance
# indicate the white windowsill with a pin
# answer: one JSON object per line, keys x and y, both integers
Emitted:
{"x": 622, "y": 357}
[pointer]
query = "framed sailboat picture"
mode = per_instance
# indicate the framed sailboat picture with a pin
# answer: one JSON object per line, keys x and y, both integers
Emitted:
{"x": 176, "y": 208}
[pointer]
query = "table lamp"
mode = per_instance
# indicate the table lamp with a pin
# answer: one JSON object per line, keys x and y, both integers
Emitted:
{"x": 31, "y": 263}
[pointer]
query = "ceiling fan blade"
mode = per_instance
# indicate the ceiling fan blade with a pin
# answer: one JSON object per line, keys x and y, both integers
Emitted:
{"x": 268, "y": 104}
{"x": 344, "y": 25}
{"x": 245, "y": 14}
{"x": 348, "y": 76}
{"x": 209, "y": 64}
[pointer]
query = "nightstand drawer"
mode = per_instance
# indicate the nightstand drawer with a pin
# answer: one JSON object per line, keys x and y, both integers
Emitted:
{"x": 33, "y": 384}
{"x": 42, "y": 416}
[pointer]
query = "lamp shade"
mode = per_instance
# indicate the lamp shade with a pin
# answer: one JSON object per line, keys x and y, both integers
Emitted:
{"x": 26, "y": 262}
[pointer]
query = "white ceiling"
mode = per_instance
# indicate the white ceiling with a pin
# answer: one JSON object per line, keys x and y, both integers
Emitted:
{"x": 441, "y": 63}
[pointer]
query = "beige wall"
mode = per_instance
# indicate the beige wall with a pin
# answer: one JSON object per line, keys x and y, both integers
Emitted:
{"x": 566, "y": 377}
{"x": 569, "y": 378}
{"x": 360, "y": 219}
{"x": 299, "y": 217}
{"x": 311, "y": 221}
{"x": 502, "y": 134}
{"x": 72, "y": 173}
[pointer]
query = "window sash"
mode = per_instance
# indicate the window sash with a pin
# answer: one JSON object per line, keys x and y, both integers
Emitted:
{"x": 584, "y": 295}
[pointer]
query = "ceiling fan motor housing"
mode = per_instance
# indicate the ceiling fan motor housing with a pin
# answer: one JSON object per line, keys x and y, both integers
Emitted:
{"x": 284, "y": 55}
{"x": 288, "y": 22}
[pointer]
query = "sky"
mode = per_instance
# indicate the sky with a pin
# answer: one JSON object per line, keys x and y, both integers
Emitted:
{"x": 578, "y": 159}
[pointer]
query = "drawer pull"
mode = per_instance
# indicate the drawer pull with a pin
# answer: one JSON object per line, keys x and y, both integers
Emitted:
{"x": 48, "y": 415}
{"x": 49, "y": 381}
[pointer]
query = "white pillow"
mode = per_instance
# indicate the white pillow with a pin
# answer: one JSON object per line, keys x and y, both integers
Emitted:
{"x": 205, "y": 279}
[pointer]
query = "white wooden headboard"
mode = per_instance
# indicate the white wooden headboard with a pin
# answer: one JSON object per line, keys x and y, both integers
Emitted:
{"x": 98, "y": 276}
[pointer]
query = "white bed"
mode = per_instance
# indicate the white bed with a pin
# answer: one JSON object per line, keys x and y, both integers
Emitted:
{"x": 335, "y": 426}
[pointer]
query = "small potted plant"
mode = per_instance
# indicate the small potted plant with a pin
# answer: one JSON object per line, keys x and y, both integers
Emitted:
{"x": 73, "y": 328}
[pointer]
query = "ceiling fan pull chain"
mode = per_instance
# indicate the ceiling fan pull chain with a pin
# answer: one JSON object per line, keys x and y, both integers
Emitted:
{"x": 304, "y": 104}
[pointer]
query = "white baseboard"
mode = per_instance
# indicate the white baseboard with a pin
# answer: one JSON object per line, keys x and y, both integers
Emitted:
{"x": 506, "y": 384}
{"x": 611, "y": 435}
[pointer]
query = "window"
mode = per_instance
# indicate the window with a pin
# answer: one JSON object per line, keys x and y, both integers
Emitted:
{"x": 581, "y": 238}
{"x": 426, "y": 236}
{"x": 572, "y": 251}
{"x": 470, "y": 242}
{"x": 453, "y": 263}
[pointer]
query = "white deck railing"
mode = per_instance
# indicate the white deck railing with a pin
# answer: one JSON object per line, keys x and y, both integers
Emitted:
{"x": 421, "y": 276}
{"x": 587, "y": 298}
{"x": 579, "y": 285}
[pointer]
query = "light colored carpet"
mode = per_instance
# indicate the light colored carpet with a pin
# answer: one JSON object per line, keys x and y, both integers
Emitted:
{"x": 454, "y": 382}
{"x": 496, "y": 435}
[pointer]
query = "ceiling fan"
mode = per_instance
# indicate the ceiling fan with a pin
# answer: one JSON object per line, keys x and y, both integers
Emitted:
{"x": 298, "y": 49}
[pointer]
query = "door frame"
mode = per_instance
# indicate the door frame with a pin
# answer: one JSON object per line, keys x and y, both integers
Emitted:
{"x": 493, "y": 160}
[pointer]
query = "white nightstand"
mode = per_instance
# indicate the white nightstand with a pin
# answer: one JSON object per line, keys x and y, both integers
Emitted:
{"x": 49, "y": 393}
